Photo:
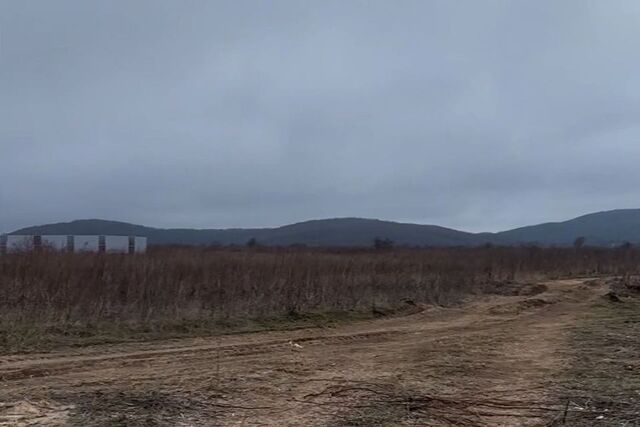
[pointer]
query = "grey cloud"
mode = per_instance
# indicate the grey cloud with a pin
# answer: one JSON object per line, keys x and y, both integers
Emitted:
{"x": 474, "y": 115}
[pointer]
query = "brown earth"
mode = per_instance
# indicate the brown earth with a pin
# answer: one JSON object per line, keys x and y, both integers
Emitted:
{"x": 494, "y": 361}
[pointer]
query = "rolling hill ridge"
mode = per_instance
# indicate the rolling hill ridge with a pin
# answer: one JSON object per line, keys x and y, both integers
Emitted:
{"x": 599, "y": 229}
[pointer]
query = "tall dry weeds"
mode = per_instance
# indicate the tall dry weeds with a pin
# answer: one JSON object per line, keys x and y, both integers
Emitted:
{"x": 192, "y": 284}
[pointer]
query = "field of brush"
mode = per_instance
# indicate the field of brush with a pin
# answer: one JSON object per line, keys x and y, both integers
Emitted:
{"x": 52, "y": 299}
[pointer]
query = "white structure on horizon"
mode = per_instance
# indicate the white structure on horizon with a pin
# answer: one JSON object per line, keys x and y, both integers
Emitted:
{"x": 72, "y": 243}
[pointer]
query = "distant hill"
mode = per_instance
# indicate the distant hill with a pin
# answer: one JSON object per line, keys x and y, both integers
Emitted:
{"x": 361, "y": 232}
{"x": 602, "y": 229}
{"x": 156, "y": 236}
{"x": 326, "y": 232}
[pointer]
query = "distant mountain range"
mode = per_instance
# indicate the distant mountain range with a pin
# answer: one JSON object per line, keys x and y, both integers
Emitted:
{"x": 599, "y": 229}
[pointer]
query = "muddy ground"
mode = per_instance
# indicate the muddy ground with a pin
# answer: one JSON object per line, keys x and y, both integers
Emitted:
{"x": 553, "y": 353}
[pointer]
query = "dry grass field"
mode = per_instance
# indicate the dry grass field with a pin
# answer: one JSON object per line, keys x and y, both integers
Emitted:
{"x": 434, "y": 337}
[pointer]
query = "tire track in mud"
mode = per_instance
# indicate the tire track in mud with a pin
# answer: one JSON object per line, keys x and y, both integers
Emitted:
{"x": 57, "y": 366}
{"x": 52, "y": 365}
{"x": 30, "y": 366}
{"x": 225, "y": 339}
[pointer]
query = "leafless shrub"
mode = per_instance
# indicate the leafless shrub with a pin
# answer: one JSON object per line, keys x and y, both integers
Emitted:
{"x": 182, "y": 284}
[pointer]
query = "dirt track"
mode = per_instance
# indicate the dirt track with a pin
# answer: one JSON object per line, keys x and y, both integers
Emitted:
{"x": 490, "y": 362}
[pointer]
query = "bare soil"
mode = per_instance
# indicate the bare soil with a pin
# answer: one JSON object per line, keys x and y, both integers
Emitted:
{"x": 505, "y": 359}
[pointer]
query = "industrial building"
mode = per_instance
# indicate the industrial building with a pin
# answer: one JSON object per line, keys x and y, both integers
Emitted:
{"x": 63, "y": 243}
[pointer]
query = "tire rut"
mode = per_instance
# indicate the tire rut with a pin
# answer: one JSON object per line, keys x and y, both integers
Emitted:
{"x": 49, "y": 367}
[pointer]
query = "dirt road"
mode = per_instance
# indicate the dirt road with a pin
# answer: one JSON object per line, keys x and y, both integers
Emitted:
{"x": 493, "y": 361}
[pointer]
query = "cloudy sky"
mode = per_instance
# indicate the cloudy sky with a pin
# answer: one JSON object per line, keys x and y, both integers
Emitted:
{"x": 478, "y": 115}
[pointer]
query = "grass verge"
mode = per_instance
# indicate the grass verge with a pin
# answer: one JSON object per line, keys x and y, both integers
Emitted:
{"x": 602, "y": 385}
{"x": 27, "y": 337}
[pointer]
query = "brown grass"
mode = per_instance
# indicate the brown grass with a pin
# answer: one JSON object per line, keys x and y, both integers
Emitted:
{"x": 601, "y": 380}
{"x": 193, "y": 290}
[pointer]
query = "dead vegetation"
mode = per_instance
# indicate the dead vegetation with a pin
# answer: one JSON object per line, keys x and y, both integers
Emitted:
{"x": 513, "y": 288}
{"x": 132, "y": 409}
{"x": 625, "y": 286}
{"x": 602, "y": 382}
{"x": 49, "y": 299}
{"x": 380, "y": 404}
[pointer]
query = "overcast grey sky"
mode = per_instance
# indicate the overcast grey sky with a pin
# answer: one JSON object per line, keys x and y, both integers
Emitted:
{"x": 478, "y": 115}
